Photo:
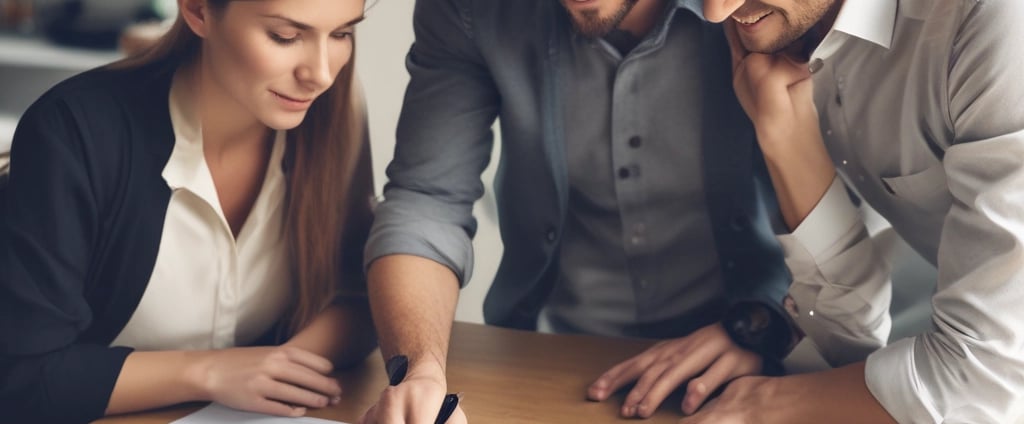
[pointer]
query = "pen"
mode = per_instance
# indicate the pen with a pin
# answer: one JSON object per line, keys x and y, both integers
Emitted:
{"x": 398, "y": 366}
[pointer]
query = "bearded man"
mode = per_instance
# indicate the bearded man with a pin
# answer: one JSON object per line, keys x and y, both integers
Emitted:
{"x": 631, "y": 195}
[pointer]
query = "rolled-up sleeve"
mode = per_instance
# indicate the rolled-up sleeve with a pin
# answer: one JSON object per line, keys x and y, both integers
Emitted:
{"x": 840, "y": 283}
{"x": 444, "y": 143}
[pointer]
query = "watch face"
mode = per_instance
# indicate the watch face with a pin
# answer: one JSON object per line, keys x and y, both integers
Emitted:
{"x": 758, "y": 327}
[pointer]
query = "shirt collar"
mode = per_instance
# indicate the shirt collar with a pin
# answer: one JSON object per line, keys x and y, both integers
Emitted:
{"x": 695, "y": 6}
{"x": 186, "y": 167}
{"x": 869, "y": 20}
{"x": 656, "y": 37}
{"x": 186, "y": 163}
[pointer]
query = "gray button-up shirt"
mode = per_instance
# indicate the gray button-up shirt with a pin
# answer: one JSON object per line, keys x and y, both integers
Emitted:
{"x": 637, "y": 256}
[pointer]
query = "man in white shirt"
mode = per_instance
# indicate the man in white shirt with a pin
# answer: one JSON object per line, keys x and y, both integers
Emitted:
{"x": 918, "y": 106}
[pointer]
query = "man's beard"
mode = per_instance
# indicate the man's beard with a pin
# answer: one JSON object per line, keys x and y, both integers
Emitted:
{"x": 800, "y": 33}
{"x": 591, "y": 24}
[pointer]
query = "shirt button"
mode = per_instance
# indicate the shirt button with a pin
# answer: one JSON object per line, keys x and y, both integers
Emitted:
{"x": 635, "y": 141}
{"x": 550, "y": 235}
{"x": 636, "y": 240}
{"x": 624, "y": 172}
{"x": 815, "y": 65}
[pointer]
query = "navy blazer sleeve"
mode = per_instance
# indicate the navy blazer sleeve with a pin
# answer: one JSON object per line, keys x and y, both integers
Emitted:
{"x": 47, "y": 235}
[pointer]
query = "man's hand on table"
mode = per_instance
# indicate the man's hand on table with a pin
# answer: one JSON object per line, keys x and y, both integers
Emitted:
{"x": 707, "y": 358}
{"x": 744, "y": 401}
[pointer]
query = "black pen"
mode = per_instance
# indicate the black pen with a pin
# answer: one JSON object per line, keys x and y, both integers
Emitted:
{"x": 398, "y": 366}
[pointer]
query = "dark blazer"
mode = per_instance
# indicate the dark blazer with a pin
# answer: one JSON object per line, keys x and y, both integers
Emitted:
{"x": 477, "y": 60}
{"x": 80, "y": 226}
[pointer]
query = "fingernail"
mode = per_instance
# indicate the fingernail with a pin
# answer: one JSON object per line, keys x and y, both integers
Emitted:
{"x": 298, "y": 412}
{"x": 701, "y": 388}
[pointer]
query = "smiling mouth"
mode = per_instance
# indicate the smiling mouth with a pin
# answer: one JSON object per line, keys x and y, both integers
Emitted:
{"x": 291, "y": 99}
{"x": 752, "y": 19}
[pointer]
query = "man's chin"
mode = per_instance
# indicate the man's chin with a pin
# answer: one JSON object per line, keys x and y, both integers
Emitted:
{"x": 765, "y": 46}
{"x": 591, "y": 27}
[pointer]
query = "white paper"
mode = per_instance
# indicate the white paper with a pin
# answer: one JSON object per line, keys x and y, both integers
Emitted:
{"x": 216, "y": 414}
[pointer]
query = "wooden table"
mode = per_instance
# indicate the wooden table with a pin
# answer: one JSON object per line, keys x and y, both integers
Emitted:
{"x": 506, "y": 376}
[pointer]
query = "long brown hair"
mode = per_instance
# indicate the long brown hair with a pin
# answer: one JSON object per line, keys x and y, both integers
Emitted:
{"x": 329, "y": 182}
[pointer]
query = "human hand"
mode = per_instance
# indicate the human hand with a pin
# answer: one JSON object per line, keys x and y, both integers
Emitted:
{"x": 416, "y": 400}
{"x": 279, "y": 380}
{"x": 776, "y": 92}
{"x": 742, "y": 402}
{"x": 708, "y": 358}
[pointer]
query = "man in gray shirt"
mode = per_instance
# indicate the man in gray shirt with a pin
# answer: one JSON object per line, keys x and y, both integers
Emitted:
{"x": 631, "y": 196}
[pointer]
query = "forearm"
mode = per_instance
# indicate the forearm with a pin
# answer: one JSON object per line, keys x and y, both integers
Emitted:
{"x": 801, "y": 172}
{"x": 154, "y": 379}
{"x": 837, "y": 396}
{"x": 413, "y": 301}
{"x": 342, "y": 332}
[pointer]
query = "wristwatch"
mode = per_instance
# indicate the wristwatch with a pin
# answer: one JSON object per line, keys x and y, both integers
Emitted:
{"x": 761, "y": 328}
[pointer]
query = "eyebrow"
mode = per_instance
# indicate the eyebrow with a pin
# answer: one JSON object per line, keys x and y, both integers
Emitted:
{"x": 307, "y": 27}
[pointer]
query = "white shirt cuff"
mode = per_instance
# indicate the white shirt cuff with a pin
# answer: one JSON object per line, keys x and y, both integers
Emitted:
{"x": 829, "y": 221}
{"x": 891, "y": 376}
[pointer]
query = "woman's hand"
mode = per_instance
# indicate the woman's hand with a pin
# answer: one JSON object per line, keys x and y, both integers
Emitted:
{"x": 278, "y": 380}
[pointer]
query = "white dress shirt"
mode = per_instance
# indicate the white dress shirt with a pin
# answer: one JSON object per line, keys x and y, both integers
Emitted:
{"x": 208, "y": 289}
{"x": 922, "y": 110}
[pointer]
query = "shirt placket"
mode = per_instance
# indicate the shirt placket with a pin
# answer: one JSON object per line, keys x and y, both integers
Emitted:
{"x": 628, "y": 146}
{"x": 828, "y": 98}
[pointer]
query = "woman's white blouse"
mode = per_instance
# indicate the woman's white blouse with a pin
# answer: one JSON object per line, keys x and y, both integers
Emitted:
{"x": 209, "y": 290}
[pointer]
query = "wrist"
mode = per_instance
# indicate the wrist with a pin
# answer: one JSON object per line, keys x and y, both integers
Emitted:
{"x": 760, "y": 328}
{"x": 196, "y": 374}
{"x": 428, "y": 367}
{"x": 784, "y": 143}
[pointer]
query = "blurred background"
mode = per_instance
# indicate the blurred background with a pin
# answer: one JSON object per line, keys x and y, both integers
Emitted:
{"x": 45, "y": 41}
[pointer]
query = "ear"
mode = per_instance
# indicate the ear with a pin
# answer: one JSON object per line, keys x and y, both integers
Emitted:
{"x": 196, "y": 15}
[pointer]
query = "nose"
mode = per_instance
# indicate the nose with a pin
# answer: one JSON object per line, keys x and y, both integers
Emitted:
{"x": 719, "y": 10}
{"x": 315, "y": 70}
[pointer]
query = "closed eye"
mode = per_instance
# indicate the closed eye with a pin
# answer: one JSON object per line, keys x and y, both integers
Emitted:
{"x": 341, "y": 35}
{"x": 281, "y": 39}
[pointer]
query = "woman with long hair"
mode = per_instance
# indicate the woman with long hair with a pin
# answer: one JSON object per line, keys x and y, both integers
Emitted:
{"x": 187, "y": 224}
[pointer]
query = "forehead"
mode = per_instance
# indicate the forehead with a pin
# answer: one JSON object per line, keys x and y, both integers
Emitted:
{"x": 319, "y": 14}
